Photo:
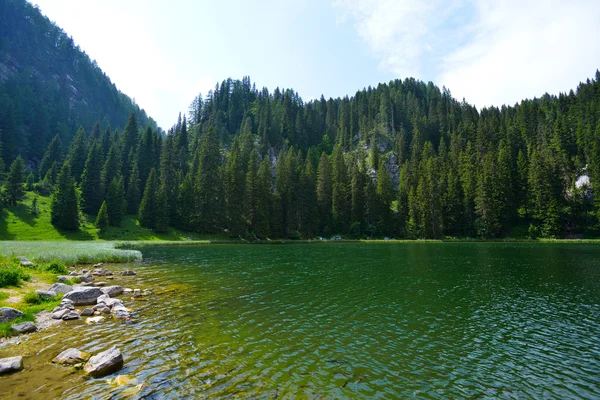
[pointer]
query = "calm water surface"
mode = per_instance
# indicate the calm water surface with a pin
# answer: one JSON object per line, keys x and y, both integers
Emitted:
{"x": 343, "y": 321}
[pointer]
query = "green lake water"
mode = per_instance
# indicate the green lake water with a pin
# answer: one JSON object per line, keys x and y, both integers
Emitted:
{"x": 342, "y": 321}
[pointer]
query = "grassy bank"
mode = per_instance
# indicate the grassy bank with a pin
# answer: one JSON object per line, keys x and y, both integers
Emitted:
{"x": 17, "y": 289}
{"x": 68, "y": 252}
{"x": 20, "y": 223}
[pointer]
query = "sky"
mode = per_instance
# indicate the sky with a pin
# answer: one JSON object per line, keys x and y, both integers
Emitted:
{"x": 164, "y": 53}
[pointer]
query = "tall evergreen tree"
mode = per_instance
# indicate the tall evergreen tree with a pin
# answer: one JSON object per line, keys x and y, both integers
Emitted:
{"x": 91, "y": 180}
{"x": 115, "y": 201}
{"x": 13, "y": 187}
{"x": 64, "y": 209}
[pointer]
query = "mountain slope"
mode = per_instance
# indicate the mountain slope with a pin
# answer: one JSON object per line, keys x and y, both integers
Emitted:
{"x": 49, "y": 86}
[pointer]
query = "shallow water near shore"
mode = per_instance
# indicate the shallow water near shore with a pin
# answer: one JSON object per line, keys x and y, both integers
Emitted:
{"x": 341, "y": 321}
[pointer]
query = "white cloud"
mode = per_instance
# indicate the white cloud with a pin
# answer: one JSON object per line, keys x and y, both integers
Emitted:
{"x": 490, "y": 52}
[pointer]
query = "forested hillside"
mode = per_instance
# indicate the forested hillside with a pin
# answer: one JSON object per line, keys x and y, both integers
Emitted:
{"x": 403, "y": 160}
{"x": 49, "y": 87}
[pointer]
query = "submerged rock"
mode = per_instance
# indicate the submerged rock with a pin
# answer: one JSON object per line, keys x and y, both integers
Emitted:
{"x": 82, "y": 296}
{"x": 93, "y": 320}
{"x": 71, "y": 356}
{"x": 112, "y": 290}
{"x": 87, "y": 312}
{"x": 121, "y": 312}
{"x": 8, "y": 314}
{"x": 25, "y": 327}
{"x": 11, "y": 364}
{"x": 60, "y": 288}
{"x": 104, "y": 363}
{"x": 128, "y": 272}
{"x": 99, "y": 265}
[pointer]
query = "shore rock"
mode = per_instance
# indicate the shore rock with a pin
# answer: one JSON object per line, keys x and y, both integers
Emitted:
{"x": 121, "y": 312}
{"x": 87, "y": 284}
{"x": 82, "y": 296}
{"x": 70, "y": 315}
{"x": 101, "y": 284}
{"x": 86, "y": 277}
{"x": 127, "y": 290}
{"x": 99, "y": 265}
{"x": 60, "y": 288}
{"x": 101, "y": 299}
{"x": 25, "y": 262}
{"x": 45, "y": 294}
{"x": 71, "y": 356}
{"x": 128, "y": 272}
{"x": 87, "y": 312}
{"x": 110, "y": 303}
{"x": 74, "y": 273}
{"x": 112, "y": 290}
{"x": 60, "y": 313}
{"x": 104, "y": 363}
{"x": 10, "y": 364}
{"x": 8, "y": 314}
{"x": 25, "y": 327}
{"x": 62, "y": 278}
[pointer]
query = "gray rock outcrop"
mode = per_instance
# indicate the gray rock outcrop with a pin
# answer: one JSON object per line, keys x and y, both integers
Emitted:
{"x": 82, "y": 296}
{"x": 8, "y": 314}
{"x": 60, "y": 288}
{"x": 104, "y": 363}
{"x": 71, "y": 356}
{"x": 112, "y": 290}
{"x": 25, "y": 327}
{"x": 10, "y": 364}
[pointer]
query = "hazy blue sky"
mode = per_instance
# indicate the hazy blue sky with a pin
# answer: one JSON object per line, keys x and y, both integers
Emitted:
{"x": 163, "y": 53}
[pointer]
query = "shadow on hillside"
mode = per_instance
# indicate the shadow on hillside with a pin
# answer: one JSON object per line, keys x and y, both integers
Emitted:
{"x": 4, "y": 234}
{"x": 23, "y": 212}
{"x": 75, "y": 235}
{"x": 131, "y": 230}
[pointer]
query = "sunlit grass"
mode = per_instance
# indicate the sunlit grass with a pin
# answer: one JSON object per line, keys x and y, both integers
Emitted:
{"x": 68, "y": 252}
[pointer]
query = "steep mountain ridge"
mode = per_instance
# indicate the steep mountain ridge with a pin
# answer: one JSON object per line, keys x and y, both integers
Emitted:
{"x": 49, "y": 86}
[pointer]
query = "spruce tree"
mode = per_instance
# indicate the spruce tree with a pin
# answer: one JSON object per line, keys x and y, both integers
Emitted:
{"x": 13, "y": 187}
{"x": 133, "y": 191}
{"x": 77, "y": 154}
{"x": 64, "y": 208}
{"x": 324, "y": 193}
{"x": 102, "y": 218}
{"x": 53, "y": 154}
{"x": 148, "y": 213}
{"x": 91, "y": 180}
{"x": 115, "y": 201}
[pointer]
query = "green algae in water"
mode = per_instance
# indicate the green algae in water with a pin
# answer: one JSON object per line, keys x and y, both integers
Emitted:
{"x": 343, "y": 321}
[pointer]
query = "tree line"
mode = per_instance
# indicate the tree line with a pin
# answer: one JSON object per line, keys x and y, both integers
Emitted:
{"x": 402, "y": 160}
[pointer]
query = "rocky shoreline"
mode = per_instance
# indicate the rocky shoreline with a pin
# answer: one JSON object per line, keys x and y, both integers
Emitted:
{"x": 89, "y": 300}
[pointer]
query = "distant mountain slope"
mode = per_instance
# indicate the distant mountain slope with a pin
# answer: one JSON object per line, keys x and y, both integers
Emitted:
{"x": 48, "y": 85}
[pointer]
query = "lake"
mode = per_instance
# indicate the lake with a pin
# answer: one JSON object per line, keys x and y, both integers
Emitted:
{"x": 460, "y": 320}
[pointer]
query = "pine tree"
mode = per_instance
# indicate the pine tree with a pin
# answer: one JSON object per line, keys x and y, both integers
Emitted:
{"x": 132, "y": 197}
{"x": 115, "y": 201}
{"x": 252, "y": 190}
{"x": 102, "y": 218}
{"x": 77, "y": 154}
{"x": 64, "y": 208}
{"x": 13, "y": 187}
{"x": 208, "y": 183}
{"x": 91, "y": 180}
{"x": 53, "y": 154}
{"x": 112, "y": 165}
{"x": 148, "y": 213}
{"x": 324, "y": 193}
{"x": 340, "y": 198}
{"x": 260, "y": 223}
